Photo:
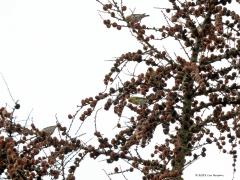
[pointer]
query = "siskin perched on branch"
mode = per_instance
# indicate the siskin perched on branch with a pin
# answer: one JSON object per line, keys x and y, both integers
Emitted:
{"x": 138, "y": 100}
{"x": 136, "y": 17}
{"x": 49, "y": 130}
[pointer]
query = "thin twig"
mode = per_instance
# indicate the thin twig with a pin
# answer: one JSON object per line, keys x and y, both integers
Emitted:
{"x": 6, "y": 84}
{"x": 95, "y": 119}
{"x": 107, "y": 174}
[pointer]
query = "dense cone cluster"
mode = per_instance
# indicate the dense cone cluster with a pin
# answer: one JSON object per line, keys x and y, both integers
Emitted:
{"x": 21, "y": 151}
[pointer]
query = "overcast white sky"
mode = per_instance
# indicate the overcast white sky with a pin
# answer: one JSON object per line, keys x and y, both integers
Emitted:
{"x": 52, "y": 54}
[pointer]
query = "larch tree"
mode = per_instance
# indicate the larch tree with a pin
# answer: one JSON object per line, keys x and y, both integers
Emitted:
{"x": 192, "y": 97}
{"x": 181, "y": 99}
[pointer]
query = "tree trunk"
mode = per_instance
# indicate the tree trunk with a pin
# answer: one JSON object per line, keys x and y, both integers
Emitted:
{"x": 182, "y": 147}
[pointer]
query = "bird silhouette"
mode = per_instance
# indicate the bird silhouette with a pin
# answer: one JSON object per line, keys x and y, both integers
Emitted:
{"x": 136, "y": 17}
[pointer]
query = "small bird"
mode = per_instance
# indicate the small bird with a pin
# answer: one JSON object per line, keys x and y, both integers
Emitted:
{"x": 136, "y": 17}
{"x": 138, "y": 100}
{"x": 49, "y": 130}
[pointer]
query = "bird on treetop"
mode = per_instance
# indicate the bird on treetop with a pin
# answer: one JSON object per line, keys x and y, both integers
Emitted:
{"x": 136, "y": 17}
